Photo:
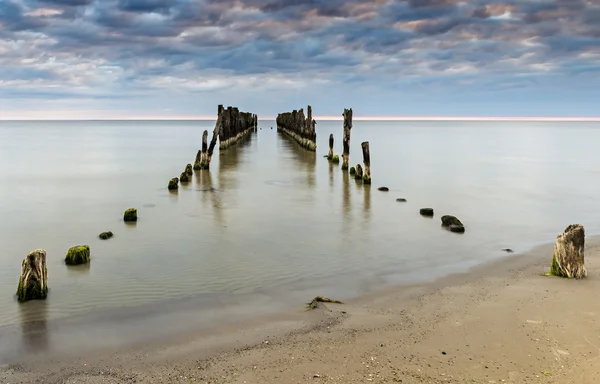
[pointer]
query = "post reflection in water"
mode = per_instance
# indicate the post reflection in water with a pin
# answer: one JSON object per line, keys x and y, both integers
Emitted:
{"x": 34, "y": 334}
{"x": 367, "y": 202}
{"x": 307, "y": 160}
{"x": 346, "y": 202}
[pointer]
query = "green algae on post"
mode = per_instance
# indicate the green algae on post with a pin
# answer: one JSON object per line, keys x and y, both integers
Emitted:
{"x": 335, "y": 159}
{"x": 173, "y": 184}
{"x": 130, "y": 215}
{"x": 352, "y": 171}
{"x": 568, "y": 259}
{"x": 33, "y": 282}
{"x": 78, "y": 255}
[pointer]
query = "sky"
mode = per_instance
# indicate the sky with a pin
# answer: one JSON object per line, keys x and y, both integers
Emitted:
{"x": 405, "y": 58}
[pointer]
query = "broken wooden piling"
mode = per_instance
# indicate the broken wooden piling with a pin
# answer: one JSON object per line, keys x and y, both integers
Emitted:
{"x": 366, "y": 162}
{"x": 346, "y": 140}
{"x": 234, "y": 125}
{"x": 201, "y": 162}
{"x": 299, "y": 127}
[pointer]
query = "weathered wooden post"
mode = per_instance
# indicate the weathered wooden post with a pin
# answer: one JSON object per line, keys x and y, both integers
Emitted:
{"x": 568, "y": 259}
{"x": 33, "y": 283}
{"x": 215, "y": 137}
{"x": 367, "y": 162}
{"x": 346, "y": 141}
{"x": 301, "y": 129}
{"x": 330, "y": 154}
{"x": 234, "y": 126}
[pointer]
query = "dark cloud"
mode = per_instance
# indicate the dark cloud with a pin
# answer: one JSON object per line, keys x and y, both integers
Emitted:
{"x": 74, "y": 44}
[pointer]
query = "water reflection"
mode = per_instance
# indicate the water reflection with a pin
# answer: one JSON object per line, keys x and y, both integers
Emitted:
{"x": 227, "y": 179}
{"x": 367, "y": 202}
{"x": 331, "y": 177}
{"x": 346, "y": 194}
{"x": 78, "y": 270}
{"x": 34, "y": 333}
{"x": 307, "y": 160}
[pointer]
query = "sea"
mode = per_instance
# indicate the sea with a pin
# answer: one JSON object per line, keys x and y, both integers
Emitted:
{"x": 270, "y": 225}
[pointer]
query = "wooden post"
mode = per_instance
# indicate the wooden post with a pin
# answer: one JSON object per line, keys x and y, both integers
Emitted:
{"x": 346, "y": 141}
{"x": 330, "y": 154}
{"x": 215, "y": 136}
{"x": 33, "y": 283}
{"x": 366, "y": 162}
{"x": 568, "y": 259}
{"x": 299, "y": 127}
{"x": 234, "y": 126}
{"x": 359, "y": 172}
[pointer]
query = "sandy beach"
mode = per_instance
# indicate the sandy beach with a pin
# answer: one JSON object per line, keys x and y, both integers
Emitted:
{"x": 499, "y": 323}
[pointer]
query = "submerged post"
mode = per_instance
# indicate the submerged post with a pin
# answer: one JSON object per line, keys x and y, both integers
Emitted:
{"x": 358, "y": 175}
{"x": 366, "y": 162}
{"x": 299, "y": 127}
{"x": 346, "y": 140}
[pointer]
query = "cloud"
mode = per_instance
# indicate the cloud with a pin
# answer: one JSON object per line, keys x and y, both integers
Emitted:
{"x": 167, "y": 49}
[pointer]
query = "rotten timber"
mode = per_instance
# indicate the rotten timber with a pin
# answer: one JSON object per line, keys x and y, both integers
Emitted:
{"x": 230, "y": 127}
{"x": 301, "y": 128}
{"x": 366, "y": 162}
{"x": 346, "y": 140}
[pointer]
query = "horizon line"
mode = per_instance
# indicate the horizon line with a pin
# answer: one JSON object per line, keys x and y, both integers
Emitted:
{"x": 323, "y": 118}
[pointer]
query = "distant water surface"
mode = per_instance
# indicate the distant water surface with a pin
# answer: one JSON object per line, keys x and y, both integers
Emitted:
{"x": 270, "y": 223}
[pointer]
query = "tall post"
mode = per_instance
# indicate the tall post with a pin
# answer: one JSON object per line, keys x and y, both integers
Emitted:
{"x": 204, "y": 158}
{"x": 346, "y": 141}
{"x": 215, "y": 136}
{"x": 330, "y": 154}
{"x": 366, "y": 162}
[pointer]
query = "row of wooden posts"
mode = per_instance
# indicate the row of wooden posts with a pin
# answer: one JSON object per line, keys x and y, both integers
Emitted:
{"x": 302, "y": 129}
{"x": 230, "y": 127}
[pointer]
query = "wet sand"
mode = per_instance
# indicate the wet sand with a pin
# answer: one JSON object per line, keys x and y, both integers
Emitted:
{"x": 499, "y": 323}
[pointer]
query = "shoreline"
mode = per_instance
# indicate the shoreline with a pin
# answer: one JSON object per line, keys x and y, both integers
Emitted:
{"x": 133, "y": 326}
{"x": 410, "y": 319}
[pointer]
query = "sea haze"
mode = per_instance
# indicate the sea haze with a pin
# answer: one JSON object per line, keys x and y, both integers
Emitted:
{"x": 270, "y": 223}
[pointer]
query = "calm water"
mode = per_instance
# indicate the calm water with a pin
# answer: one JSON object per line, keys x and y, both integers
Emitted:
{"x": 270, "y": 224}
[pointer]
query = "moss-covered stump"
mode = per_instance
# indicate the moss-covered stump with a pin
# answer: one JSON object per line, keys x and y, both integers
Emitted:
{"x": 448, "y": 220}
{"x": 173, "y": 184}
{"x": 105, "y": 235}
{"x": 189, "y": 170}
{"x": 184, "y": 177}
{"x": 130, "y": 215}
{"x": 78, "y": 255}
{"x": 320, "y": 299}
{"x": 352, "y": 171}
{"x": 335, "y": 159}
{"x": 359, "y": 172}
{"x": 568, "y": 259}
{"x": 426, "y": 212}
{"x": 33, "y": 282}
